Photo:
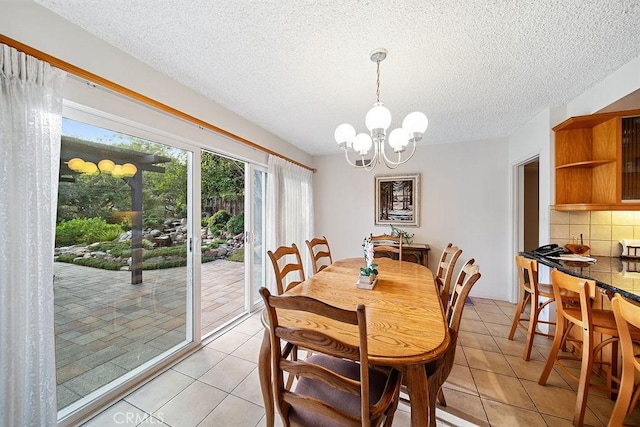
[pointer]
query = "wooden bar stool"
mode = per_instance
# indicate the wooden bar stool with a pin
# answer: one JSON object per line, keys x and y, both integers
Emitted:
{"x": 627, "y": 314}
{"x": 590, "y": 321}
{"x": 530, "y": 293}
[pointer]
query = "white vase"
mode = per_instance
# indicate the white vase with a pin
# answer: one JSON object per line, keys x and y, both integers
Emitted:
{"x": 367, "y": 282}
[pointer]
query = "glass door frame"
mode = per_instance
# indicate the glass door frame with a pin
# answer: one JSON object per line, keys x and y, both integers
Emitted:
{"x": 252, "y": 297}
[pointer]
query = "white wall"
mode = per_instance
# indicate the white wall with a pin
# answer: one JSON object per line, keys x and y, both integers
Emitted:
{"x": 464, "y": 200}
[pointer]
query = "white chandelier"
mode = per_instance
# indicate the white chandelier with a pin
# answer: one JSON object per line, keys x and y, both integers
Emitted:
{"x": 378, "y": 120}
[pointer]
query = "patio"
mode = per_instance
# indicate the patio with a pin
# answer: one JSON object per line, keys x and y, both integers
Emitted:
{"x": 105, "y": 326}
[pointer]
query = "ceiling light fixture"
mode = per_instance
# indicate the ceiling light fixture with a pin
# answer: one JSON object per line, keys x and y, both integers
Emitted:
{"x": 377, "y": 121}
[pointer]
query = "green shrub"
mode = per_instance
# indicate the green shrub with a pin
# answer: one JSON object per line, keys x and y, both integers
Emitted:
{"x": 167, "y": 251}
{"x": 84, "y": 231}
{"x": 66, "y": 258}
{"x": 236, "y": 224}
{"x": 99, "y": 263}
{"x": 169, "y": 263}
{"x": 218, "y": 220}
{"x": 117, "y": 249}
{"x": 153, "y": 218}
{"x": 236, "y": 256}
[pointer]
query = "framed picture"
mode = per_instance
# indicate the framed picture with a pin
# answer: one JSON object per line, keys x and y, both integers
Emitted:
{"x": 398, "y": 200}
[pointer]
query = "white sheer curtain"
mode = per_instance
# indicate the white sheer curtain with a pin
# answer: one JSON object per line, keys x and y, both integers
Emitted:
{"x": 290, "y": 207}
{"x": 30, "y": 123}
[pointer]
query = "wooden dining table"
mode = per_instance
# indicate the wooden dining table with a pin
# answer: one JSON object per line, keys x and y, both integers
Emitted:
{"x": 405, "y": 323}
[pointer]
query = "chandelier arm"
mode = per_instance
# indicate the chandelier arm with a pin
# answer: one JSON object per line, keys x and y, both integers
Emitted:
{"x": 346, "y": 156}
{"x": 392, "y": 164}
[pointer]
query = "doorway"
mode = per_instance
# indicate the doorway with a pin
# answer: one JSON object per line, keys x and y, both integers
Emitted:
{"x": 531, "y": 205}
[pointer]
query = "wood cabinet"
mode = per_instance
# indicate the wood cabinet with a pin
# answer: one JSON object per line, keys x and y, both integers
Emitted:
{"x": 589, "y": 163}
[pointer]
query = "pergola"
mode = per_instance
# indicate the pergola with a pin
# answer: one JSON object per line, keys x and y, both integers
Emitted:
{"x": 94, "y": 152}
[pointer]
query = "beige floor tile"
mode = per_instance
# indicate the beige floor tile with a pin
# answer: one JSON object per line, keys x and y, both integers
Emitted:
{"x": 470, "y": 314}
{"x": 463, "y": 406}
{"x": 532, "y": 369}
{"x": 516, "y": 348}
{"x": 459, "y": 358}
{"x": 556, "y": 401}
{"x": 503, "y": 331}
{"x": 498, "y": 318}
{"x": 151, "y": 396}
{"x": 199, "y": 362}
{"x": 121, "y": 413}
{"x": 500, "y": 414}
{"x": 191, "y": 405}
{"x": 487, "y": 308}
{"x": 249, "y": 389}
{"x": 479, "y": 300}
{"x": 249, "y": 350}
{"x": 488, "y": 361}
{"x": 480, "y": 341}
{"x": 251, "y": 326}
{"x": 229, "y": 341}
{"x": 556, "y": 422}
{"x": 502, "y": 303}
{"x": 233, "y": 411}
{"x": 228, "y": 374}
{"x": 476, "y": 326}
{"x": 460, "y": 379}
{"x": 501, "y": 388}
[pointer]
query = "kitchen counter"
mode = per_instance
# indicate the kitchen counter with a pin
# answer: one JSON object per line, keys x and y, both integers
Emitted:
{"x": 613, "y": 275}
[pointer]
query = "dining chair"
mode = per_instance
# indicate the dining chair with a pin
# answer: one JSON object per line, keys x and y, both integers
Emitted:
{"x": 438, "y": 371}
{"x": 319, "y": 251}
{"x": 285, "y": 268}
{"x": 335, "y": 386}
{"x": 386, "y": 244}
{"x": 627, "y": 314}
{"x": 590, "y": 321}
{"x": 447, "y": 263}
{"x": 531, "y": 294}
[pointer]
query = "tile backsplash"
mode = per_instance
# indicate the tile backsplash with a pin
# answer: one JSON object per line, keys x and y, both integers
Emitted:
{"x": 601, "y": 230}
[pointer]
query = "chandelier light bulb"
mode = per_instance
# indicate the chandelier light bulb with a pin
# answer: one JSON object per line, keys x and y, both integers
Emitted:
{"x": 398, "y": 139}
{"x": 345, "y": 134}
{"x": 415, "y": 122}
{"x": 362, "y": 143}
{"x": 378, "y": 117}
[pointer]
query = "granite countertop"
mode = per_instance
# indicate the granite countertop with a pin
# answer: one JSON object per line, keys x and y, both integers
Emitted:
{"x": 611, "y": 274}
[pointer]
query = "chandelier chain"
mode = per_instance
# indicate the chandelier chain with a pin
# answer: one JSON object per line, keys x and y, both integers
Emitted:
{"x": 378, "y": 81}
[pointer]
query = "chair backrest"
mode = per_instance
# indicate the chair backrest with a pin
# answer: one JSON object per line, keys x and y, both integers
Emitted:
{"x": 319, "y": 251}
{"x": 284, "y": 266}
{"x": 447, "y": 262}
{"x": 566, "y": 284}
{"x": 288, "y": 401}
{"x": 468, "y": 276}
{"x": 385, "y": 244}
{"x": 626, "y": 313}
{"x": 527, "y": 274}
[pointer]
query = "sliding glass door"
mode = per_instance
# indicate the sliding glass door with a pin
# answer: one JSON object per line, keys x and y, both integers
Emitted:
{"x": 123, "y": 288}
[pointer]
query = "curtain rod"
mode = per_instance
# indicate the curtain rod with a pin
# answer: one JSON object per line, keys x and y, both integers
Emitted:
{"x": 84, "y": 74}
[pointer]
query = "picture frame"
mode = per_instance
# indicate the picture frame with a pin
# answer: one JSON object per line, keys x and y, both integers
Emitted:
{"x": 397, "y": 200}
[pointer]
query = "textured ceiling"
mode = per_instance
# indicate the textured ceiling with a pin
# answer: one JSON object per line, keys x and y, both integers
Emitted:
{"x": 477, "y": 68}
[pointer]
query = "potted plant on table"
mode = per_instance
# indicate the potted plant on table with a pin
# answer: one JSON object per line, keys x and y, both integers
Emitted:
{"x": 368, "y": 273}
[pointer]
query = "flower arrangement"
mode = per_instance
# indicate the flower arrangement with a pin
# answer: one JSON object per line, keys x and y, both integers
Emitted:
{"x": 369, "y": 268}
{"x": 406, "y": 237}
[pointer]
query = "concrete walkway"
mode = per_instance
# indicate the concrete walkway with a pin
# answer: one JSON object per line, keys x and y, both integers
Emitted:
{"x": 105, "y": 326}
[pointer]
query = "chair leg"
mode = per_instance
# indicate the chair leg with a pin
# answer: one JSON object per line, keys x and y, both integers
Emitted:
{"x": 531, "y": 332}
{"x": 553, "y": 354}
{"x": 432, "y": 408}
{"x": 623, "y": 401}
{"x": 585, "y": 378}
{"x": 441, "y": 398}
{"x": 517, "y": 314}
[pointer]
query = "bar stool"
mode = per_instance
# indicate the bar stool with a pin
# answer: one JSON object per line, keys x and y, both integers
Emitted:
{"x": 590, "y": 321}
{"x": 530, "y": 293}
{"x": 627, "y": 314}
